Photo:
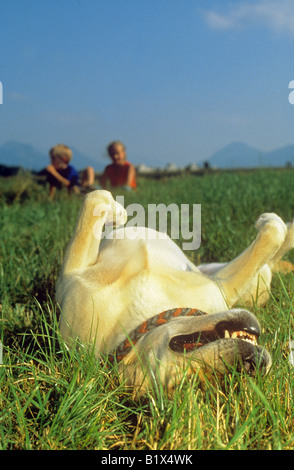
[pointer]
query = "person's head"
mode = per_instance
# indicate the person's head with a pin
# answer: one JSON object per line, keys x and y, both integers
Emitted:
{"x": 60, "y": 156}
{"x": 117, "y": 152}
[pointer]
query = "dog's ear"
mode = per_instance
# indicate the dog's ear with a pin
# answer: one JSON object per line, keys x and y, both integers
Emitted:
{"x": 133, "y": 373}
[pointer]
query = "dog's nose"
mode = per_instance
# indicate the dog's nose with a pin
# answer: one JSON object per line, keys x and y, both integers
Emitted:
{"x": 256, "y": 362}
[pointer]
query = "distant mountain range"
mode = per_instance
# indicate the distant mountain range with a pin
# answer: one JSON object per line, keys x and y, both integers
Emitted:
{"x": 26, "y": 156}
{"x": 234, "y": 155}
{"x": 240, "y": 155}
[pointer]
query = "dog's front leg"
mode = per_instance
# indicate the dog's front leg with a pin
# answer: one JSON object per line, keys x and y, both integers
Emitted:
{"x": 98, "y": 209}
{"x": 241, "y": 274}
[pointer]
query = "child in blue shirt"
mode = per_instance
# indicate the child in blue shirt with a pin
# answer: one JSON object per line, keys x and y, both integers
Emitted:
{"x": 60, "y": 173}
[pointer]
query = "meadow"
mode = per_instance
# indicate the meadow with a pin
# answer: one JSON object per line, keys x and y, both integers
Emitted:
{"x": 51, "y": 398}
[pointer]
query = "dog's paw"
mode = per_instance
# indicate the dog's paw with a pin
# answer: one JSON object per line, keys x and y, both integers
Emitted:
{"x": 117, "y": 216}
{"x": 290, "y": 234}
{"x": 105, "y": 206}
{"x": 271, "y": 221}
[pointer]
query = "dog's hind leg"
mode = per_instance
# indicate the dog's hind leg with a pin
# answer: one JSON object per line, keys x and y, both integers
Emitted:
{"x": 99, "y": 208}
{"x": 240, "y": 275}
{"x": 287, "y": 246}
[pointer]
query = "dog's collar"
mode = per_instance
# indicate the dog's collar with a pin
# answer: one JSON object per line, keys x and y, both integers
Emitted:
{"x": 125, "y": 347}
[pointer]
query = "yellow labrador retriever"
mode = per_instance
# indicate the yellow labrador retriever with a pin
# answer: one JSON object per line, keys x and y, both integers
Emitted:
{"x": 137, "y": 293}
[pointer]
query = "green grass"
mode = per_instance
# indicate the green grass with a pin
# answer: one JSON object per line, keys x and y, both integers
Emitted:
{"x": 51, "y": 398}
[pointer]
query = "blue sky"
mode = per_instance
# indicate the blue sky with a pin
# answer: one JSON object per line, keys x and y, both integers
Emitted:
{"x": 175, "y": 80}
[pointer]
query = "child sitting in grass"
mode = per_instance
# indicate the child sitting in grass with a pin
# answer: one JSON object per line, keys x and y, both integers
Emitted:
{"x": 120, "y": 172}
{"x": 60, "y": 173}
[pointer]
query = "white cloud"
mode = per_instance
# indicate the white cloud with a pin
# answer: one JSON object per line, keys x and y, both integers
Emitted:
{"x": 277, "y": 15}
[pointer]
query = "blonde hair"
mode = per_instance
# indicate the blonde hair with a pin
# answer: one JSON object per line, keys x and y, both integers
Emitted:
{"x": 61, "y": 152}
{"x": 112, "y": 145}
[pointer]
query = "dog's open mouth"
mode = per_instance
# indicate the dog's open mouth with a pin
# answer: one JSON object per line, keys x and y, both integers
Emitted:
{"x": 190, "y": 342}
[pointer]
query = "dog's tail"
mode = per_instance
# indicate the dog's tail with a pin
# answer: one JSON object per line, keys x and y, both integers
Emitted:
{"x": 99, "y": 208}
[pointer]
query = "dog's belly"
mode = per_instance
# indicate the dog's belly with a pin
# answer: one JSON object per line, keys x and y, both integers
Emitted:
{"x": 150, "y": 273}
{"x": 136, "y": 276}
{"x": 124, "y": 243}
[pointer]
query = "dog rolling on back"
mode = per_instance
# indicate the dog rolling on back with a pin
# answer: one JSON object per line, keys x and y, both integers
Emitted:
{"x": 110, "y": 288}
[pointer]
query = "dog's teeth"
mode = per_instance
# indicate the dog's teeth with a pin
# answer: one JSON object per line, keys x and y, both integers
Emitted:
{"x": 241, "y": 335}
